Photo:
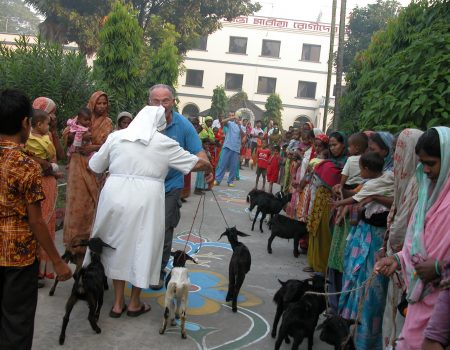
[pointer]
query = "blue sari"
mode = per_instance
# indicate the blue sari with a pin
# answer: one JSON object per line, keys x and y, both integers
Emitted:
{"x": 363, "y": 242}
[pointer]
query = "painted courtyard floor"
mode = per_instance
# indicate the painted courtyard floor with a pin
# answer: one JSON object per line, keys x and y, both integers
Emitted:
{"x": 210, "y": 322}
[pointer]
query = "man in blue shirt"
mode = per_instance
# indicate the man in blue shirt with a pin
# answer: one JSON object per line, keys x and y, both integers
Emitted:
{"x": 230, "y": 151}
{"x": 181, "y": 130}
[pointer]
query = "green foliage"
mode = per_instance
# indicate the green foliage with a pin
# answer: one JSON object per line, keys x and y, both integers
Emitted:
{"x": 79, "y": 20}
{"x": 45, "y": 69}
{"x": 219, "y": 102}
{"x": 273, "y": 106}
{"x": 119, "y": 60}
{"x": 17, "y": 18}
{"x": 402, "y": 80}
{"x": 363, "y": 22}
{"x": 162, "y": 63}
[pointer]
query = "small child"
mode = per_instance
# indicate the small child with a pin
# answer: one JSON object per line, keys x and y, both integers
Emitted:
{"x": 258, "y": 148}
{"x": 351, "y": 178}
{"x": 80, "y": 128}
{"x": 378, "y": 184}
{"x": 39, "y": 144}
{"x": 273, "y": 168}
{"x": 263, "y": 161}
{"x": 200, "y": 183}
{"x": 123, "y": 120}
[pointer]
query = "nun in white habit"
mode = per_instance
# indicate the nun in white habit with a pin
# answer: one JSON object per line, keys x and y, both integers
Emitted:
{"x": 130, "y": 213}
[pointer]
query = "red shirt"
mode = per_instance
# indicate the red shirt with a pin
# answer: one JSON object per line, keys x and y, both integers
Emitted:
{"x": 263, "y": 158}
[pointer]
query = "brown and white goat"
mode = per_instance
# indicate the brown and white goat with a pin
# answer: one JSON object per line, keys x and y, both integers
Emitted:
{"x": 177, "y": 290}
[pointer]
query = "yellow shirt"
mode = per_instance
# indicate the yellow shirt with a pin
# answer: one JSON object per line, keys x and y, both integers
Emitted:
{"x": 41, "y": 147}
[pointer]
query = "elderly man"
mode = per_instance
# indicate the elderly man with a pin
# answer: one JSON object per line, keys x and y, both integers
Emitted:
{"x": 230, "y": 150}
{"x": 181, "y": 130}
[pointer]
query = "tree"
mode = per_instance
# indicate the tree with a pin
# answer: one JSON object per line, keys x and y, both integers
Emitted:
{"x": 273, "y": 106}
{"x": 118, "y": 59}
{"x": 219, "y": 102}
{"x": 45, "y": 69}
{"x": 79, "y": 20}
{"x": 401, "y": 80}
{"x": 16, "y": 17}
{"x": 363, "y": 23}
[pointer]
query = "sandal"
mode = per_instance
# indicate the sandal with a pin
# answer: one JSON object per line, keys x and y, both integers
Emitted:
{"x": 144, "y": 309}
{"x": 114, "y": 314}
{"x": 308, "y": 269}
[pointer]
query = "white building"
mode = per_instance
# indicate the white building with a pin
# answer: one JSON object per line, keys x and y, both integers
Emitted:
{"x": 261, "y": 55}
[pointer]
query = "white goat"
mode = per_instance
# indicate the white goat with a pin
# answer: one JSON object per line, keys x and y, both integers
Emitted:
{"x": 177, "y": 292}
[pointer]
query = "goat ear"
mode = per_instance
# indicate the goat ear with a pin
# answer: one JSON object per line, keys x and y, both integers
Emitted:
{"x": 188, "y": 257}
{"x": 282, "y": 283}
{"x": 223, "y": 234}
{"x": 107, "y": 245}
{"x": 242, "y": 234}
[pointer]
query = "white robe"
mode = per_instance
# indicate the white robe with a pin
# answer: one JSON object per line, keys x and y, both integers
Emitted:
{"x": 131, "y": 209}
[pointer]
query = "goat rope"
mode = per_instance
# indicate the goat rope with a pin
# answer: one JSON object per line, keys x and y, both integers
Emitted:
{"x": 193, "y": 222}
{"x": 366, "y": 282}
{"x": 220, "y": 209}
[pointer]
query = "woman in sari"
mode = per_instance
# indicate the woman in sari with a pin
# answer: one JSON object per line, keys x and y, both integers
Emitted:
{"x": 82, "y": 185}
{"x": 382, "y": 143}
{"x": 405, "y": 198}
{"x": 49, "y": 187}
{"x": 326, "y": 175}
{"x": 427, "y": 242}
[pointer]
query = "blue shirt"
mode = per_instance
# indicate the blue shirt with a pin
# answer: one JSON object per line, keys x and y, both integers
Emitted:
{"x": 182, "y": 131}
{"x": 233, "y": 137}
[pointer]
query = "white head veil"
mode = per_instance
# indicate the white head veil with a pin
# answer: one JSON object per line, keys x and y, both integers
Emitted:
{"x": 147, "y": 122}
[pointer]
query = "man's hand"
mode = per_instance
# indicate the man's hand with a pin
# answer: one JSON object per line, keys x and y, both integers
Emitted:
{"x": 209, "y": 178}
{"x": 63, "y": 271}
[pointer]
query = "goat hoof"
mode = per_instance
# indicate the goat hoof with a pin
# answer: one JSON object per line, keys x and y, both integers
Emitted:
{"x": 161, "y": 331}
{"x": 61, "y": 340}
{"x": 183, "y": 335}
{"x": 296, "y": 255}
{"x": 173, "y": 323}
{"x": 234, "y": 309}
{"x": 269, "y": 251}
{"x": 51, "y": 293}
{"x": 273, "y": 334}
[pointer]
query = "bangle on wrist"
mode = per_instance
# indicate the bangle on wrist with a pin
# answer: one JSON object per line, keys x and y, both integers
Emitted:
{"x": 436, "y": 268}
{"x": 397, "y": 259}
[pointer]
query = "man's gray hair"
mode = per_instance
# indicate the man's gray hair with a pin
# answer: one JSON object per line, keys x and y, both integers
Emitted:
{"x": 163, "y": 86}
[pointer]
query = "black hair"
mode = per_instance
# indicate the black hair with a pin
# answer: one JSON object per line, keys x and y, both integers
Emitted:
{"x": 429, "y": 143}
{"x": 39, "y": 116}
{"x": 379, "y": 141}
{"x": 360, "y": 140}
{"x": 15, "y": 106}
{"x": 84, "y": 111}
{"x": 276, "y": 148}
{"x": 372, "y": 161}
{"x": 338, "y": 136}
{"x": 311, "y": 134}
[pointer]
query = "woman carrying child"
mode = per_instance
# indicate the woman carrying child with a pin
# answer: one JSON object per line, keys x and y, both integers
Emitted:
{"x": 364, "y": 240}
{"x": 427, "y": 242}
{"x": 82, "y": 184}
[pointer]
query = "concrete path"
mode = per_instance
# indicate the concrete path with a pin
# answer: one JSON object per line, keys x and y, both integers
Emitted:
{"x": 211, "y": 323}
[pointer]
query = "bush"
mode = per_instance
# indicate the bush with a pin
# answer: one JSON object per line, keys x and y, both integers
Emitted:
{"x": 46, "y": 69}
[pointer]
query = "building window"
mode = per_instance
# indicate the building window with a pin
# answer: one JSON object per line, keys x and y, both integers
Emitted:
{"x": 194, "y": 77}
{"x": 266, "y": 85}
{"x": 271, "y": 48}
{"x": 233, "y": 81}
{"x": 311, "y": 53}
{"x": 200, "y": 43}
{"x": 238, "y": 45}
{"x": 306, "y": 89}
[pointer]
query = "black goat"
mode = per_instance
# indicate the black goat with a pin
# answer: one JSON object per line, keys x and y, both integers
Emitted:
{"x": 266, "y": 203}
{"x": 300, "y": 320}
{"x": 292, "y": 291}
{"x": 336, "y": 332}
{"x": 240, "y": 263}
{"x": 286, "y": 228}
{"x": 89, "y": 285}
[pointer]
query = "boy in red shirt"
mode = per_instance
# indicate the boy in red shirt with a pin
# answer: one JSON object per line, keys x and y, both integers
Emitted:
{"x": 273, "y": 168}
{"x": 263, "y": 162}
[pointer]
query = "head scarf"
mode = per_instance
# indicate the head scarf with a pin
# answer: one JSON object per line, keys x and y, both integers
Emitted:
{"x": 208, "y": 118}
{"x": 144, "y": 126}
{"x": 93, "y": 101}
{"x": 44, "y": 104}
{"x": 323, "y": 138}
{"x": 123, "y": 115}
{"x": 424, "y": 211}
{"x": 388, "y": 140}
{"x": 311, "y": 125}
{"x": 405, "y": 186}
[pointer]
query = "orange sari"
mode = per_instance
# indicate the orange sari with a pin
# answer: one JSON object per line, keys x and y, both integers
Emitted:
{"x": 83, "y": 187}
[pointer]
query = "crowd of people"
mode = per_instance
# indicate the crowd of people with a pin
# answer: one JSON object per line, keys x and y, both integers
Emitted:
{"x": 375, "y": 206}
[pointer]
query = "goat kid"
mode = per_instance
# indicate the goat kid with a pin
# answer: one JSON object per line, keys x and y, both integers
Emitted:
{"x": 177, "y": 290}
{"x": 240, "y": 263}
{"x": 89, "y": 285}
{"x": 336, "y": 332}
{"x": 266, "y": 203}
{"x": 286, "y": 228}
{"x": 292, "y": 291}
{"x": 300, "y": 320}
